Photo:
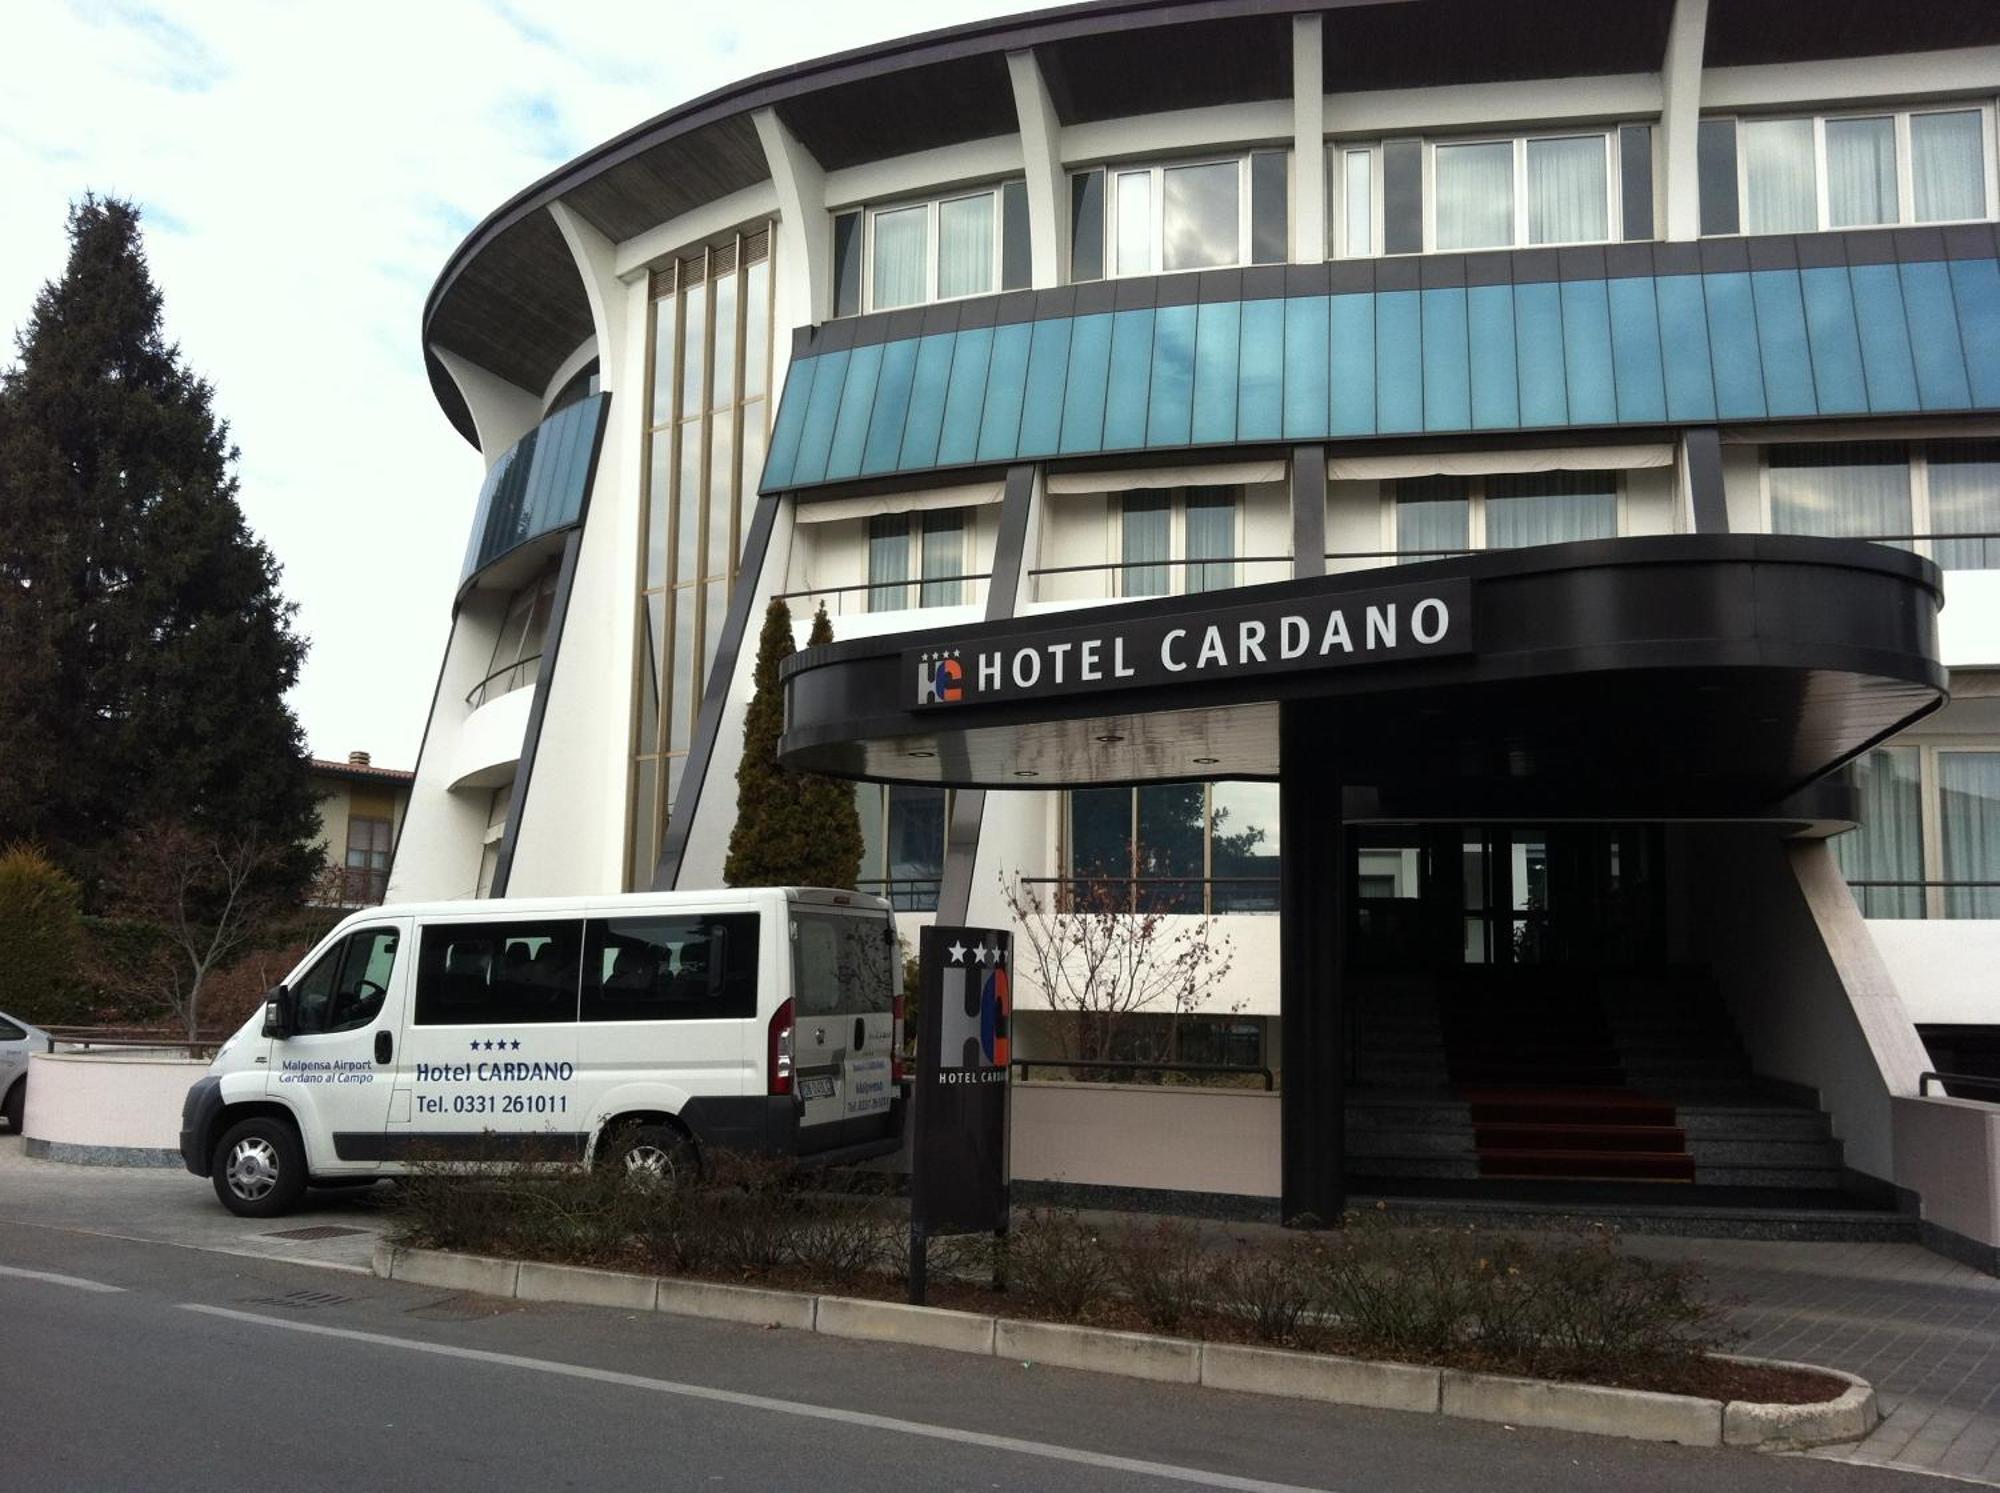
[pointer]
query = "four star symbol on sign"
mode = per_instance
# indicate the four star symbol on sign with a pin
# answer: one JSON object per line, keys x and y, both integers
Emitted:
{"x": 939, "y": 655}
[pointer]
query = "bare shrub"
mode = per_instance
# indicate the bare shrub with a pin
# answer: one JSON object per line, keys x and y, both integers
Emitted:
{"x": 1279, "y": 1289}
{"x": 1058, "y": 1263}
{"x": 1166, "y": 1270}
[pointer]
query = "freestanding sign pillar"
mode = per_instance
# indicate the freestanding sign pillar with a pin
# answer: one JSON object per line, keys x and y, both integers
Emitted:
{"x": 958, "y": 1173}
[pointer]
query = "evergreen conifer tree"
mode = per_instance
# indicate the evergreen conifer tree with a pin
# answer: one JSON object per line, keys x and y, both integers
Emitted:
{"x": 145, "y": 649}
{"x": 792, "y": 828}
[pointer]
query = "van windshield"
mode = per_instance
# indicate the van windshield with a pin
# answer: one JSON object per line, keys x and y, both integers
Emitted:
{"x": 842, "y": 964}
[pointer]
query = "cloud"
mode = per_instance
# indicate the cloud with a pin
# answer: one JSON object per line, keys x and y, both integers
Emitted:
{"x": 305, "y": 170}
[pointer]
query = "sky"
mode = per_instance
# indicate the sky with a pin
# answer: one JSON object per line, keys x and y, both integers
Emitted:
{"x": 304, "y": 170}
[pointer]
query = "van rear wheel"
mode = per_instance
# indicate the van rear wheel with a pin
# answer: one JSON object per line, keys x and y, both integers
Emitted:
{"x": 651, "y": 1153}
{"x": 259, "y": 1168}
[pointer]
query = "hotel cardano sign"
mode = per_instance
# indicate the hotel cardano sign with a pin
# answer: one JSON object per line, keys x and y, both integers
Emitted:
{"x": 1395, "y": 624}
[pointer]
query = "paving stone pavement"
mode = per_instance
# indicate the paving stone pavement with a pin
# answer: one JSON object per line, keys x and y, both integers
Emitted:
{"x": 1923, "y": 1330}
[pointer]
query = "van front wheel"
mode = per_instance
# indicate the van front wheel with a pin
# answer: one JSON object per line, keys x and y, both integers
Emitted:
{"x": 259, "y": 1168}
{"x": 649, "y": 1153}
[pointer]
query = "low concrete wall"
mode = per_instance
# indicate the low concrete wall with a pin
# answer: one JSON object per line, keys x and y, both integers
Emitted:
{"x": 1948, "y": 1153}
{"x": 1139, "y": 1135}
{"x": 1943, "y": 967}
{"x": 107, "y": 1110}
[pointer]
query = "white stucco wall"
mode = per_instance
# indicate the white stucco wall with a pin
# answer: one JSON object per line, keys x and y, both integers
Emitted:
{"x": 1136, "y": 1135}
{"x": 1946, "y": 969}
{"x": 91, "y": 1101}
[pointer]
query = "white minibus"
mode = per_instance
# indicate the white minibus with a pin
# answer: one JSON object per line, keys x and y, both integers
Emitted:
{"x": 630, "y": 1031}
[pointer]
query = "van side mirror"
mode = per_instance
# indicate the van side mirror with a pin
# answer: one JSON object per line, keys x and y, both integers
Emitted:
{"x": 280, "y": 1012}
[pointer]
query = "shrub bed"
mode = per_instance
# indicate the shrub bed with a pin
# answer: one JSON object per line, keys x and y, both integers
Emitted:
{"x": 1573, "y": 1307}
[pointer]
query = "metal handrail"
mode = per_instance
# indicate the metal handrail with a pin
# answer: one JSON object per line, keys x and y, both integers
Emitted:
{"x": 1161, "y": 564}
{"x": 1126, "y": 1065}
{"x": 1974, "y": 1079}
{"x": 916, "y": 584}
{"x": 479, "y": 689}
{"x": 1945, "y": 884}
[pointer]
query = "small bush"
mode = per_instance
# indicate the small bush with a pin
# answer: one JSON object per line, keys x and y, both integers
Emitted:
{"x": 1058, "y": 1263}
{"x": 1279, "y": 1290}
{"x": 1166, "y": 1270}
{"x": 41, "y": 927}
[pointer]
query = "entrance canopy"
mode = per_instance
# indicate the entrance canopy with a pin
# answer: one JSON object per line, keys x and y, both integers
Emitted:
{"x": 1671, "y": 676}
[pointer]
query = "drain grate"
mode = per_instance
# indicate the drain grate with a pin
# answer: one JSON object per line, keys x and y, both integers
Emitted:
{"x": 317, "y": 1231}
{"x": 302, "y": 1299}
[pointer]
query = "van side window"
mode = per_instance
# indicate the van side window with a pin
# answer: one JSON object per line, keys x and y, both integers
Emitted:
{"x": 345, "y": 989}
{"x": 498, "y": 974}
{"x": 842, "y": 964}
{"x": 690, "y": 967}
{"x": 10, "y": 1032}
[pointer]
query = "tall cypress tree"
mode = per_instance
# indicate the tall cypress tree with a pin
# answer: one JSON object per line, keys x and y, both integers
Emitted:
{"x": 145, "y": 649}
{"x": 792, "y": 828}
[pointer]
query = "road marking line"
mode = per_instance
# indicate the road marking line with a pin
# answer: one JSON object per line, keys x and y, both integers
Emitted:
{"x": 1044, "y": 1450}
{"x": 75, "y": 1281}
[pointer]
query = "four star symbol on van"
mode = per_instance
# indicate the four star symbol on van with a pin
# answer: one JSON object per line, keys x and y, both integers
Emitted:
{"x": 502, "y": 1044}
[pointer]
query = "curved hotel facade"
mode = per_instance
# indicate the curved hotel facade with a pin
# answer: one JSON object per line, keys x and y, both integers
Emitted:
{"x": 1494, "y": 507}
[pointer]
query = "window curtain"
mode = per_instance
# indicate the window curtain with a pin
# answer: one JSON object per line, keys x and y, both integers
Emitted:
{"x": 1146, "y": 544}
{"x": 965, "y": 246}
{"x": 1475, "y": 195}
{"x": 1567, "y": 193}
{"x": 902, "y": 273}
{"x": 1211, "y": 535}
{"x": 1860, "y": 172}
{"x": 1948, "y": 165}
{"x": 1969, "y": 809}
{"x": 1965, "y": 499}
{"x": 944, "y": 558}
{"x": 1778, "y": 165}
{"x": 1857, "y": 490}
{"x": 1887, "y": 844}
{"x": 1433, "y": 517}
{"x": 888, "y": 562}
{"x": 1550, "y": 508}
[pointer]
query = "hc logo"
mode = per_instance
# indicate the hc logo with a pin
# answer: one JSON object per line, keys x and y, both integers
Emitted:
{"x": 977, "y": 1024}
{"x": 940, "y": 681}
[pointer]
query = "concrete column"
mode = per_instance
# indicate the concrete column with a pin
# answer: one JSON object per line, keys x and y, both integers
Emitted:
{"x": 1308, "y": 142}
{"x": 1312, "y": 1002}
{"x": 1041, "y": 157}
{"x": 1680, "y": 115}
{"x": 1701, "y": 469}
{"x": 502, "y": 412}
{"x": 807, "y": 261}
{"x": 1308, "y": 510}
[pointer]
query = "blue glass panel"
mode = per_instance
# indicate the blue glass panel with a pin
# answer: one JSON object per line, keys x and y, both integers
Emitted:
{"x": 1781, "y": 343}
{"x": 926, "y": 418}
{"x": 1217, "y": 327}
{"x": 1306, "y": 320}
{"x": 1538, "y": 352}
{"x": 1130, "y": 389}
{"x": 1006, "y": 388}
{"x": 1260, "y": 372}
{"x": 1083, "y": 392}
{"x": 1447, "y": 371}
{"x": 857, "y": 398}
{"x": 791, "y": 421}
{"x": 1732, "y": 340}
{"x": 1885, "y": 338}
{"x": 1169, "y": 415}
{"x": 1975, "y": 284}
{"x": 1927, "y": 302}
{"x": 538, "y": 485}
{"x": 1399, "y": 360}
{"x": 1489, "y": 325}
{"x": 1586, "y": 314}
{"x": 1635, "y": 350}
{"x": 1353, "y": 372}
{"x": 1684, "y": 348}
{"x": 1048, "y": 371}
{"x": 818, "y": 433}
{"x": 892, "y": 406}
{"x": 1836, "y": 345}
{"x": 959, "y": 441}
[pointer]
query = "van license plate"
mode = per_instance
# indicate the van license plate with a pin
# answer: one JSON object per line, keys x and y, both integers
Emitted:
{"x": 816, "y": 1088}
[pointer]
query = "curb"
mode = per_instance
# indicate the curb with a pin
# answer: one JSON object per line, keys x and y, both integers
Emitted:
{"x": 1592, "y": 1409}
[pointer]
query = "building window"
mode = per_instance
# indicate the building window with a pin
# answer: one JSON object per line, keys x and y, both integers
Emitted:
{"x": 935, "y": 540}
{"x": 1883, "y": 858}
{"x": 1915, "y": 497}
{"x": 1927, "y": 842}
{"x": 707, "y": 423}
{"x": 1410, "y": 196}
{"x": 1176, "y": 540}
{"x": 517, "y": 650}
{"x": 1188, "y": 215}
{"x": 1175, "y": 847}
{"x": 967, "y": 244}
{"x": 367, "y": 871}
{"x": 902, "y": 843}
{"x": 1437, "y": 516}
{"x": 1821, "y": 171}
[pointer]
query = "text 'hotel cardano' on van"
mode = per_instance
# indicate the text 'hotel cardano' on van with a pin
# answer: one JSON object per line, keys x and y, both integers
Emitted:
{"x": 1492, "y": 506}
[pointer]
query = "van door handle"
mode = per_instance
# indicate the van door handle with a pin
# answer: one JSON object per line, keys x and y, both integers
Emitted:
{"x": 385, "y": 1047}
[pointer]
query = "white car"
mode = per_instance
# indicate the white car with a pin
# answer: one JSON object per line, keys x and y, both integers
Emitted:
{"x": 17, "y": 1040}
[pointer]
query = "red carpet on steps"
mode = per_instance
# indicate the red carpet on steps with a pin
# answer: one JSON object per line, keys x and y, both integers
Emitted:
{"x": 1577, "y": 1133}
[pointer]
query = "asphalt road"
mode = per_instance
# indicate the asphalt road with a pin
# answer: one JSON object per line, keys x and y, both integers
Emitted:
{"x": 134, "y": 1364}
